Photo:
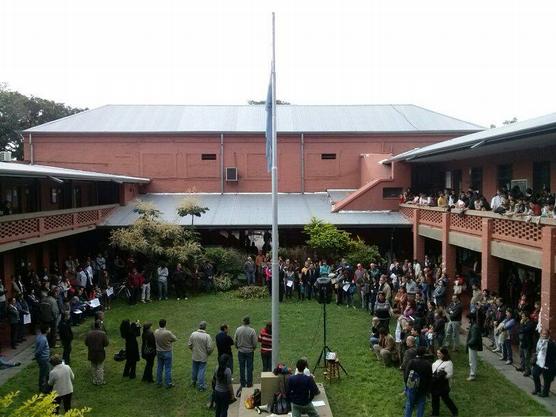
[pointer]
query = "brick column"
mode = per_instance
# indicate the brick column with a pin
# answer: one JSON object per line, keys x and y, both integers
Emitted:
{"x": 548, "y": 279}
{"x": 448, "y": 251}
{"x": 490, "y": 266}
{"x": 418, "y": 241}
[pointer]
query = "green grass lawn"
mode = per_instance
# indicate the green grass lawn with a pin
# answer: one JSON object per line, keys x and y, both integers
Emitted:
{"x": 370, "y": 389}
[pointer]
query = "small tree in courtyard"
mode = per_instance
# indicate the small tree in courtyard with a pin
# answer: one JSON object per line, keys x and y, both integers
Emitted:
{"x": 360, "y": 252}
{"x": 326, "y": 239}
{"x": 156, "y": 239}
{"x": 191, "y": 206}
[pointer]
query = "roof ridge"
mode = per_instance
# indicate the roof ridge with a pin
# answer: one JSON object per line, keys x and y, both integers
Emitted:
{"x": 451, "y": 117}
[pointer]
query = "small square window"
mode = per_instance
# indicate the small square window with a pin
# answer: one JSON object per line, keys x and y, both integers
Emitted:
{"x": 327, "y": 156}
{"x": 208, "y": 157}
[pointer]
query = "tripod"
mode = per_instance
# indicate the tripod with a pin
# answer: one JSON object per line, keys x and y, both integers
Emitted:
{"x": 325, "y": 348}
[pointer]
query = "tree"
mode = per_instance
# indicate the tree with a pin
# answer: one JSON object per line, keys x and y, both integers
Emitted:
{"x": 191, "y": 206}
{"x": 326, "y": 239}
{"x": 157, "y": 240}
{"x": 360, "y": 252}
{"x": 19, "y": 112}
{"x": 37, "y": 406}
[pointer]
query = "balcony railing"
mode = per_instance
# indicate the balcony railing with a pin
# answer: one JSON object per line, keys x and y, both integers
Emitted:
{"x": 511, "y": 229}
{"x": 17, "y": 227}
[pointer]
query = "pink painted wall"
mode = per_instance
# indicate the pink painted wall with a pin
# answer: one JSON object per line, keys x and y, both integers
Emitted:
{"x": 174, "y": 164}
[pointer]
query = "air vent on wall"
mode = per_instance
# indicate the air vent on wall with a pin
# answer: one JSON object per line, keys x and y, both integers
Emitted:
{"x": 231, "y": 174}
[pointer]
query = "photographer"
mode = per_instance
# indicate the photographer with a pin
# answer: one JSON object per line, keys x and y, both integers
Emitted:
{"x": 442, "y": 373}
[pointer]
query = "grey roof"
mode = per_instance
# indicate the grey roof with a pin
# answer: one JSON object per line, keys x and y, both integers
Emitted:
{"x": 254, "y": 210}
{"x": 521, "y": 135}
{"x": 14, "y": 169}
{"x": 336, "y": 195}
{"x": 251, "y": 119}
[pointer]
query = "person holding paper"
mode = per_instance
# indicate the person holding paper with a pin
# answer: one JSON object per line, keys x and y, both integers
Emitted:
{"x": 301, "y": 389}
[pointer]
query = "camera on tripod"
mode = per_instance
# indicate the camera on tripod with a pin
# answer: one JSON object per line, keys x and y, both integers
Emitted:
{"x": 324, "y": 289}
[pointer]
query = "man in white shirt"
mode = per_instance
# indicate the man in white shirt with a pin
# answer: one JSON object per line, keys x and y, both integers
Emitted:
{"x": 496, "y": 201}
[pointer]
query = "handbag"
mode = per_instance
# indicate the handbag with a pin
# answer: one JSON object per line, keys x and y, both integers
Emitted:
{"x": 280, "y": 404}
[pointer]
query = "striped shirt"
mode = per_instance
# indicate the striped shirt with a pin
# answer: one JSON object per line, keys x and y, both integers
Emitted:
{"x": 265, "y": 339}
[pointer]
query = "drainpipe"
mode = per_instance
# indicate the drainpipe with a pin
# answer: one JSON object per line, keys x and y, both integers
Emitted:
{"x": 221, "y": 163}
{"x": 302, "y": 164}
{"x": 32, "y": 154}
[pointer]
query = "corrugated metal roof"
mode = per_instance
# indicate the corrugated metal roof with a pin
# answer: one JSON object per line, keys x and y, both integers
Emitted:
{"x": 246, "y": 119}
{"x": 43, "y": 171}
{"x": 251, "y": 210}
{"x": 526, "y": 128}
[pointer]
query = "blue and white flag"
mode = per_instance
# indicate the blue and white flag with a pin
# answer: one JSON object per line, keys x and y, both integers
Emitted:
{"x": 268, "y": 108}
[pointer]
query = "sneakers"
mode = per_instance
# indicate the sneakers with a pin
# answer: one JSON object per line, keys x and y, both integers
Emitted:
{"x": 471, "y": 378}
{"x": 496, "y": 350}
{"x": 509, "y": 362}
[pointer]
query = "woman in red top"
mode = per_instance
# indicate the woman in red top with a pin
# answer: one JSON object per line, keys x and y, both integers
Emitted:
{"x": 265, "y": 339}
{"x": 135, "y": 282}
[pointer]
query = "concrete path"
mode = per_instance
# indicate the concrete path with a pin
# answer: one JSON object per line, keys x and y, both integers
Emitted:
{"x": 23, "y": 354}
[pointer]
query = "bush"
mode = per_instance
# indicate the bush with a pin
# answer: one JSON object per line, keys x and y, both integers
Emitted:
{"x": 362, "y": 253}
{"x": 252, "y": 292}
{"x": 225, "y": 260}
{"x": 223, "y": 282}
{"x": 40, "y": 405}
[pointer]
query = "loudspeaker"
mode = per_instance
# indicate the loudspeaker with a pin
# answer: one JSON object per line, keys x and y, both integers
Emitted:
{"x": 324, "y": 290}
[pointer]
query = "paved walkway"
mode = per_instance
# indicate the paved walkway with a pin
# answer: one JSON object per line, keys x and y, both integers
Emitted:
{"x": 23, "y": 354}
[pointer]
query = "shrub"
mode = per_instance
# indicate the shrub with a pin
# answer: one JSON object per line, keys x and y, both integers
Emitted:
{"x": 39, "y": 405}
{"x": 252, "y": 292}
{"x": 223, "y": 282}
{"x": 362, "y": 253}
{"x": 225, "y": 260}
{"x": 326, "y": 239}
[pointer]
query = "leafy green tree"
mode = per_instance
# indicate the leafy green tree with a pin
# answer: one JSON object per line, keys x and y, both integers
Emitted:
{"x": 191, "y": 206}
{"x": 37, "y": 406}
{"x": 360, "y": 252}
{"x": 326, "y": 239}
{"x": 19, "y": 112}
{"x": 157, "y": 240}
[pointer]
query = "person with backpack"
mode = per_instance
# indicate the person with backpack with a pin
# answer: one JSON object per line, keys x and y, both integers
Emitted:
{"x": 417, "y": 377}
{"x": 301, "y": 389}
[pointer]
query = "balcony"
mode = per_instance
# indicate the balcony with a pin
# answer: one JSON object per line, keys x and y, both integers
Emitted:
{"x": 40, "y": 226}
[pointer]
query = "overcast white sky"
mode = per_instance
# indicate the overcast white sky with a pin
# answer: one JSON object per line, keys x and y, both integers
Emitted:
{"x": 481, "y": 61}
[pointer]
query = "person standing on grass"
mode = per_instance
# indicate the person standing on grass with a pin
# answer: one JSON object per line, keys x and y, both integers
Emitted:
{"x": 224, "y": 343}
{"x": 246, "y": 342}
{"x": 164, "y": 339}
{"x": 545, "y": 364}
{"x": 148, "y": 351}
{"x": 201, "y": 347}
{"x": 42, "y": 356}
{"x": 250, "y": 268}
{"x": 265, "y": 338}
{"x": 96, "y": 342}
{"x": 162, "y": 273}
{"x": 179, "y": 279}
{"x": 417, "y": 377}
{"x": 442, "y": 373}
{"x": 66, "y": 336}
{"x": 130, "y": 332}
{"x": 61, "y": 380}
{"x": 301, "y": 389}
{"x": 474, "y": 344}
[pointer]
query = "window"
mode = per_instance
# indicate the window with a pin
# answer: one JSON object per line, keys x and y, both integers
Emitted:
{"x": 476, "y": 178}
{"x": 208, "y": 157}
{"x": 327, "y": 156}
{"x": 391, "y": 192}
{"x": 504, "y": 176}
{"x": 541, "y": 175}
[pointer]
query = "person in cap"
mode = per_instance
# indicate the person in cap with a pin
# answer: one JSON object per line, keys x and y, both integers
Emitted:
{"x": 201, "y": 347}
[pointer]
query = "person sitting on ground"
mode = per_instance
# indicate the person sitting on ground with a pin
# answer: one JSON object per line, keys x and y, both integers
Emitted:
{"x": 301, "y": 389}
{"x": 375, "y": 326}
{"x": 385, "y": 349}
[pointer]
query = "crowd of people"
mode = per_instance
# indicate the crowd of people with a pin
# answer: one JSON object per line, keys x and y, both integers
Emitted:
{"x": 529, "y": 205}
{"x": 417, "y": 313}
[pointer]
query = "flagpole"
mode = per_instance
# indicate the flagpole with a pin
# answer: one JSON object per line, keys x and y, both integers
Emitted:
{"x": 275, "y": 264}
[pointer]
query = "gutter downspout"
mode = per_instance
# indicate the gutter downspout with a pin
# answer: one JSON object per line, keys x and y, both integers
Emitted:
{"x": 31, "y": 151}
{"x": 221, "y": 163}
{"x": 302, "y": 164}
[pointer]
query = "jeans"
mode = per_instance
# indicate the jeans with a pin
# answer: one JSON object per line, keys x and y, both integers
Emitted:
{"x": 414, "y": 401}
{"x": 507, "y": 353}
{"x": 164, "y": 361}
{"x": 267, "y": 361}
{"x": 198, "y": 370}
{"x": 452, "y": 334}
{"x": 308, "y": 409}
{"x": 222, "y": 401}
{"x": 146, "y": 292}
{"x": 44, "y": 370}
{"x": 250, "y": 277}
{"x": 245, "y": 368}
{"x": 426, "y": 292}
{"x": 162, "y": 289}
{"x": 472, "y": 353}
{"x": 525, "y": 357}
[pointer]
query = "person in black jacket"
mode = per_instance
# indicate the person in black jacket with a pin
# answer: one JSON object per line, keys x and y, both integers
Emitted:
{"x": 148, "y": 352}
{"x": 66, "y": 336}
{"x": 454, "y": 312}
{"x": 417, "y": 377}
{"x": 130, "y": 332}
{"x": 13, "y": 317}
{"x": 474, "y": 344}
{"x": 301, "y": 390}
{"x": 545, "y": 364}
{"x": 224, "y": 343}
{"x": 525, "y": 335}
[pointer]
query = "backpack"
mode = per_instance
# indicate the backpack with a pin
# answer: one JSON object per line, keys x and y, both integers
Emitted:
{"x": 280, "y": 404}
{"x": 413, "y": 380}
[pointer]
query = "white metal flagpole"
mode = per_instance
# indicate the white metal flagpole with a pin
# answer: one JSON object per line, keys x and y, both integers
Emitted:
{"x": 275, "y": 265}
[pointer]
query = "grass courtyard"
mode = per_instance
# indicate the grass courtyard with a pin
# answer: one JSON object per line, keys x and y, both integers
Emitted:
{"x": 370, "y": 389}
